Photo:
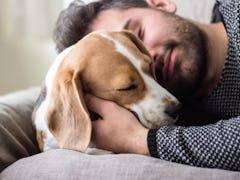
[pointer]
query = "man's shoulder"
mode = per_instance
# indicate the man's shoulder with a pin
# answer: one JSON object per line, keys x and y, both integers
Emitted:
{"x": 228, "y": 3}
{"x": 228, "y": 12}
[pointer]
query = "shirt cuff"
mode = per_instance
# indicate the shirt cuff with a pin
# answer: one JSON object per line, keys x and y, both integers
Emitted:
{"x": 152, "y": 143}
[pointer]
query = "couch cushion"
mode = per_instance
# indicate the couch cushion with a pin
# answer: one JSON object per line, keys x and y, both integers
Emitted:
{"x": 17, "y": 135}
{"x": 198, "y": 10}
{"x": 65, "y": 164}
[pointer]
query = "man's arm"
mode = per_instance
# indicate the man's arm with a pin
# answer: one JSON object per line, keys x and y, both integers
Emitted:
{"x": 216, "y": 145}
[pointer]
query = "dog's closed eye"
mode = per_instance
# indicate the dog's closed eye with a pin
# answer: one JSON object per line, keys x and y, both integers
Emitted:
{"x": 129, "y": 88}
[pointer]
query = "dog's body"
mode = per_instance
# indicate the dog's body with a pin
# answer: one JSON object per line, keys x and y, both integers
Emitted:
{"x": 111, "y": 65}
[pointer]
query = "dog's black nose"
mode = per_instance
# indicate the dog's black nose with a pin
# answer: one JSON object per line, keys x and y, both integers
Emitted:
{"x": 174, "y": 110}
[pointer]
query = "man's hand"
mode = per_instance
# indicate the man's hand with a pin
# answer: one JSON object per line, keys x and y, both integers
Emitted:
{"x": 118, "y": 130}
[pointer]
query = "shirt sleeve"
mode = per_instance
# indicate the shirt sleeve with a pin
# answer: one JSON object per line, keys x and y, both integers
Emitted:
{"x": 215, "y": 146}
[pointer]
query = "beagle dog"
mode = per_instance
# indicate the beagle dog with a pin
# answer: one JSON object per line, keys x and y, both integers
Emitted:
{"x": 114, "y": 66}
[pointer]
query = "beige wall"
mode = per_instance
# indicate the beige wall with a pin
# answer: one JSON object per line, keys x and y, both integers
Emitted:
{"x": 26, "y": 47}
{"x": 23, "y": 63}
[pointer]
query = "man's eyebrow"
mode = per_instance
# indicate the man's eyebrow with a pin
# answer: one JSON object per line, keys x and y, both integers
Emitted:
{"x": 126, "y": 25}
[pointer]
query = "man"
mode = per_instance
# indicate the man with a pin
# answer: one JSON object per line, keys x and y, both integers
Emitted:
{"x": 204, "y": 69}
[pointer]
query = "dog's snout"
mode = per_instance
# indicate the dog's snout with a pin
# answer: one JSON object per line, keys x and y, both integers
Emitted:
{"x": 174, "y": 110}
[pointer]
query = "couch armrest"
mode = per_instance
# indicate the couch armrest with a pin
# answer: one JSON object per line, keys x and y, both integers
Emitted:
{"x": 17, "y": 135}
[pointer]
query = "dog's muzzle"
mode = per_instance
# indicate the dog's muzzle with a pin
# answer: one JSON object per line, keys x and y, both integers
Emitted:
{"x": 174, "y": 110}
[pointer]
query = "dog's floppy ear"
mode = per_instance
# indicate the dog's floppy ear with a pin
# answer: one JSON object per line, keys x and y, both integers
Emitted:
{"x": 136, "y": 41}
{"x": 67, "y": 116}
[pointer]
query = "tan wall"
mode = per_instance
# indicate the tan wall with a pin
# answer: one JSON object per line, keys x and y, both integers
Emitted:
{"x": 26, "y": 46}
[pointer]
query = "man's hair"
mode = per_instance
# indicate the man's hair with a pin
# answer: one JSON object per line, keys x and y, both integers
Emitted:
{"x": 75, "y": 22}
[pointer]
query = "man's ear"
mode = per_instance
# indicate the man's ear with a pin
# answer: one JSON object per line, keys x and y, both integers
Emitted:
{"x": 166, "y": 5}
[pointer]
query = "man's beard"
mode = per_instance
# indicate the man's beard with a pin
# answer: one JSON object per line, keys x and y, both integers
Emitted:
{"x": 190, "y": 65}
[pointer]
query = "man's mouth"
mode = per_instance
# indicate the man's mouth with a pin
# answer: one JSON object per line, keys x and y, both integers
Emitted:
{"x": 164, "y": 66}
{"x": 168, "y": 66}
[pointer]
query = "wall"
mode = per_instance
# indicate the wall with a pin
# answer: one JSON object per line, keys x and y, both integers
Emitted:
{"x": 26, "y": 46}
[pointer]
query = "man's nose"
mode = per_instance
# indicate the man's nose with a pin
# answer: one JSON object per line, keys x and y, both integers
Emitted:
{"x": 154, "y": 55}
{"x": 153, "y": 49}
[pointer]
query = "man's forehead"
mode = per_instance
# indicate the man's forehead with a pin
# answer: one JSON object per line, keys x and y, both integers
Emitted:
{"x": 113, "y": 19}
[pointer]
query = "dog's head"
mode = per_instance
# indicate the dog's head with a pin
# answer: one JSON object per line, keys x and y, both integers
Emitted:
{"x": 111, "y": 65}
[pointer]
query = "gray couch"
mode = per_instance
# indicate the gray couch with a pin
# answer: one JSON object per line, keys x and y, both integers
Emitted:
{"x": 20, "y": 158}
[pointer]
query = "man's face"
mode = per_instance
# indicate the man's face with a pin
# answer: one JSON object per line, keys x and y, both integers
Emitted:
{"x": 177, "y": 46}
